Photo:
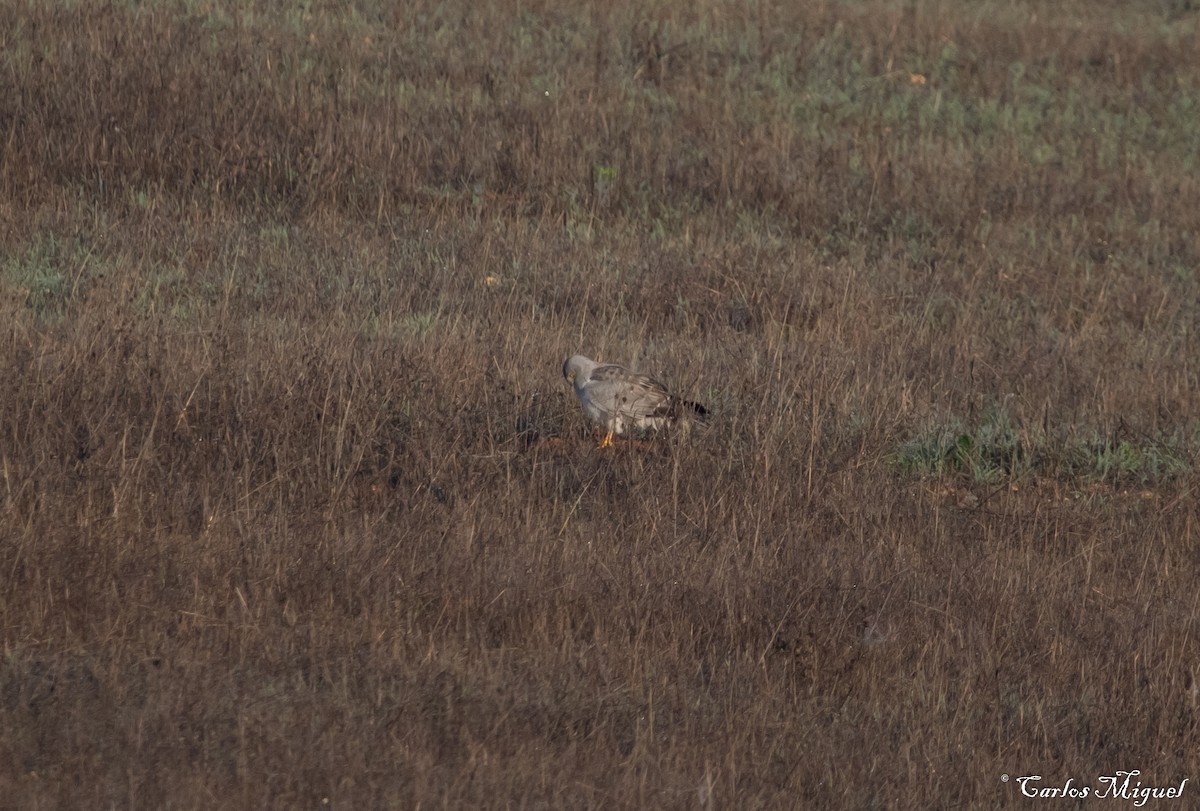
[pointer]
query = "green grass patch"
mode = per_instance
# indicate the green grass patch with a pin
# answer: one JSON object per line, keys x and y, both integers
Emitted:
{"x": 991, "y": 448}
{"x": 45, "y": 276}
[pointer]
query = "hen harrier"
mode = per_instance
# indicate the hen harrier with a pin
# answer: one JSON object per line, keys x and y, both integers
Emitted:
{"x": 619, "y": 399}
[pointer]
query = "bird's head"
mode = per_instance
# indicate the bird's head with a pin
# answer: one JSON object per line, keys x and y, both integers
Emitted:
{"x": 577, "y": 366}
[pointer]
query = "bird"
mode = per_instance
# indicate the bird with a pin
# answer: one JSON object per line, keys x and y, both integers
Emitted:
{"x": 620, "y": 399}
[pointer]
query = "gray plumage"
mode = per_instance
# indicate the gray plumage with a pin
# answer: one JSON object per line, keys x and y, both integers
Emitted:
{"x": 619, "y": 399}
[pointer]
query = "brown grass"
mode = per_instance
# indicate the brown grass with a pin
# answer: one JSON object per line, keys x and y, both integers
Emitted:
{"x": 297, "y": 510}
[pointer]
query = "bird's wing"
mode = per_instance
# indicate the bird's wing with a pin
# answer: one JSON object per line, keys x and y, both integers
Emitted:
{"x": 617, "y": 390}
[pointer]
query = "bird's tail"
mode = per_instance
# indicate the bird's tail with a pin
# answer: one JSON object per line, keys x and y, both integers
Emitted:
{"x": 696, "y": 408}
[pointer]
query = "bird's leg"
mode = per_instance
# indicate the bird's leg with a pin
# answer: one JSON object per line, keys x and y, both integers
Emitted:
{"x": 606, "y": 442}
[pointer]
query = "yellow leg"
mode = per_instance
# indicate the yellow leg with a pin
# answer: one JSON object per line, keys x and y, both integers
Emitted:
{"x": 607, "y": 441}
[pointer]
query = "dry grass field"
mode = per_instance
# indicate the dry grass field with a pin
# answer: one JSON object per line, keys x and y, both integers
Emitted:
{"x": 298, "y": 511}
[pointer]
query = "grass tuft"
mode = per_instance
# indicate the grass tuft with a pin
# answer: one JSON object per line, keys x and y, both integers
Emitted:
{"x": 991, "y": 449}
